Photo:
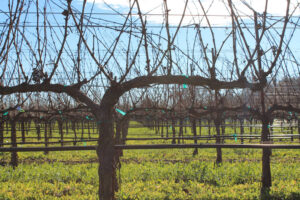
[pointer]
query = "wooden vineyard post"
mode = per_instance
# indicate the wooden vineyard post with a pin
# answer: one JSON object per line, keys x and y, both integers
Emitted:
{"x": 1, "y": 133}
{"x": 157, "y": 126}
{"x": 14, "y": 155}
{"x": 23, "y": 131}
{"x": 67, "y": 128}
{"x": 234, "y": 124}
{"x": 82, "y": 129}
{"x": 7, "y": 127}
{"x": 28, "y": 125}
{"x": 50, "y": 129}
{"x": 167, "y": 129}
{"x": 271, "y": 129}
{"x": 174, "y": 131}
{"x": 89, "y": 131}
{"x": 242, "y": 130}
{"x": 180, "y": 133}
{"x": 291, "y": 130}
{"x": 208, "y": 125}
{"x": 124, "y": 130}
{"x": 38, "y": 129}
{"x": 46, "y": 136}
{"x": 217, "y": 122}
{"x": 200, "y": 126}
{"x": 185, "y": 126}
{"x": 73, "y": 123}
{"x": 162, "y": 129}
{"x": 61, "y": 132}
{"x": 94, "y": 128}
{"x": 255, "y": 128}
{"x": 298, "y": 128}
{"x": 251, "y": 128}
{"x": 194, "y": 130}
{"x": 223, "y": 129}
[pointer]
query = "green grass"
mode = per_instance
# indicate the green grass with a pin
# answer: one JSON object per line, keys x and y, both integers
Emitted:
{"x": 151, "y": 174}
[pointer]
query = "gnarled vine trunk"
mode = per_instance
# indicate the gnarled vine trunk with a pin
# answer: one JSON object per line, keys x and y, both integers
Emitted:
{"x": 218, "y": 139}
{"x": 105, "y": 150}
{"x": 14, "y": 154}
{"x": 266, "y": 168}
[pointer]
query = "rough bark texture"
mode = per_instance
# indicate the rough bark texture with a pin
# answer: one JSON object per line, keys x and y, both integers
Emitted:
{"x": 218, "y": 140}
{"x": 106, "y": 152}
{"x": 106, "y": 157}
{"x": 118, "y": 152}
{"x": 266, "y": 169}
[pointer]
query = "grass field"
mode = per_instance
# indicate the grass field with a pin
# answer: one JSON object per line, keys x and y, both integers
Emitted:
{"x": 151, "y": 174}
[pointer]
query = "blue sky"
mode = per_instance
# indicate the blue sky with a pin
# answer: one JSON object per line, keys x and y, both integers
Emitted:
{"x": 185, "y": 37}
{"x": 184, "y": 41}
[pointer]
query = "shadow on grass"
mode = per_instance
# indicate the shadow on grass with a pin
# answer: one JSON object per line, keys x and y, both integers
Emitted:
{"x": 265, "y": 195}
